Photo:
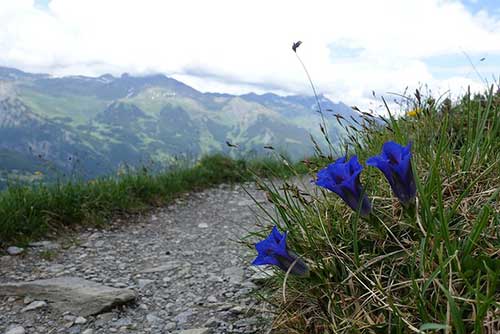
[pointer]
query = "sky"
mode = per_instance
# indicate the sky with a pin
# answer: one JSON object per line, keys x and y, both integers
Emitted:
{"x": 352, "y": 49}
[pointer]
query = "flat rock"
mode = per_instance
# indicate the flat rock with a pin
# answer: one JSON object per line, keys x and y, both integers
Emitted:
{"x": 71, "y": 294}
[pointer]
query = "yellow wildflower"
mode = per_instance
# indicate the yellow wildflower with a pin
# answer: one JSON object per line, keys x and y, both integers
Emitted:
{"x": 414, "y": 112}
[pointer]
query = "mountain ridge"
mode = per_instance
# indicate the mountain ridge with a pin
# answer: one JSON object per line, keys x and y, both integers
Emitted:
{"x": 107, "y": 121}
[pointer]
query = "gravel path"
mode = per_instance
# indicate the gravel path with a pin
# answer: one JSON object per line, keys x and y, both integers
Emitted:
{"x": 182, "y": 261}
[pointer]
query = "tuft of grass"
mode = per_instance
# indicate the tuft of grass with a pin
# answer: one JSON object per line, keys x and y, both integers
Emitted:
{"x": 434, "y": 271}
{"x": 31, "y": 212}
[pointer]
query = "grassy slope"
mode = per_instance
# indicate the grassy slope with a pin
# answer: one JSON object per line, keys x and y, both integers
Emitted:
{"x": 28, "y": 213}
{"x": 80, "y": 109}
{"x": 434, "y": 271}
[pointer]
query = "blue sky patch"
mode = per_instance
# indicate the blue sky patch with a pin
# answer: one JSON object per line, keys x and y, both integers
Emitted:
{"x": 462, "y": 64}
{"x": 42, "y": 4}
{"x": 491, "y": 6}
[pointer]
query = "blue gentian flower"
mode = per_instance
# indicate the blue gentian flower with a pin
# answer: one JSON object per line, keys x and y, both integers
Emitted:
{"x": 342, "y": 178}
{"x": 274, "y": 251}
{"x": 395, "y": 163}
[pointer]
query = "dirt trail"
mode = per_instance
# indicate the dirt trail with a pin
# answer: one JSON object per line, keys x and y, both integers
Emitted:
{"x": 181, "y": 261}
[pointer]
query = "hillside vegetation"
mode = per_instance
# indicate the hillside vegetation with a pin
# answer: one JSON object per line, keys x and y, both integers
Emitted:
{"x": 37, "y": 210}
{"x": 91, "y": 126}
{"x": 429, "y": 266}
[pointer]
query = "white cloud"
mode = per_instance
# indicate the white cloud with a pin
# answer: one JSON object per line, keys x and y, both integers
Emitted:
{"x": 238, "y": 46}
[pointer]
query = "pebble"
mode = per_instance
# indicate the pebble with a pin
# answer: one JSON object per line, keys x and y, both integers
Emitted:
{"x": 16, "y": 330}
{"x": 13, "y": 250}
{"x": 34, "y": 305}
{"x": 170, "y": 326}
{"x": 80, "y": 320}
{"x": 212, "y": 322}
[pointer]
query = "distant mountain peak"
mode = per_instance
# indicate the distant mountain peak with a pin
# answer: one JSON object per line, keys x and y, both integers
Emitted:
{"x": 133, "y": 118}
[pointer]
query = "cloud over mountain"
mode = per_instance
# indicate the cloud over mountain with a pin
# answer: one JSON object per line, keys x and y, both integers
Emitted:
{"x": 351, "y": 48}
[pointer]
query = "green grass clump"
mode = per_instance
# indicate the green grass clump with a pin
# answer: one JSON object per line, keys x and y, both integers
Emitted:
{"x": 435, "y": 270}
{"x": 30, "y": 212}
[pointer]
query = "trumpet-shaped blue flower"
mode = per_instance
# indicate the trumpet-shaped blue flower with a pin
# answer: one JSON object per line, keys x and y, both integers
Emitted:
{"x": 274, "y": 251}
{"x": 342, "y": 178}
{"x": 395, "y": 163}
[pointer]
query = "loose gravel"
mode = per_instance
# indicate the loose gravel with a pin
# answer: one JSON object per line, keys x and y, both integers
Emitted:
{"x": 183, "y": 262}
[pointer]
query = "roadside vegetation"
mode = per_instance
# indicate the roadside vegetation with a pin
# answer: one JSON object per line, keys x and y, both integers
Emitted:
{"x": 429, "y": 265}
{"x": 33, "y": 211}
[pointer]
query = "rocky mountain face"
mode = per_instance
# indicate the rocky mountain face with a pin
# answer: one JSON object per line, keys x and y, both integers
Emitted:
{"x": 94, "y": 125}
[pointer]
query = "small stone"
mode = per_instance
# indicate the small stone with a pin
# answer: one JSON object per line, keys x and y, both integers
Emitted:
{"x": 153, "y": 319}
{"x": 80, "y": 320}
{"x": 212, "y": 322}
{"x": 212, "y": 299}
{"x": 203, "y": 225}
{"x": 34, "y": 305}
{"x": 75, "y": 330}
{"x": 237, "y": 310}
{"x": 13, "y": 250}
{"x": 16, "y": 330}
{"x": 68, "y": 324}
{"x": 104, "y": 318}
{"x": 70, "y": 318}
{"x": 170, "y": 326}
{"x": 11, "y": 299}
{"x": 27, "y": 300}
{"x": 88, "y": 331}
{"x": 224, "y": 307}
